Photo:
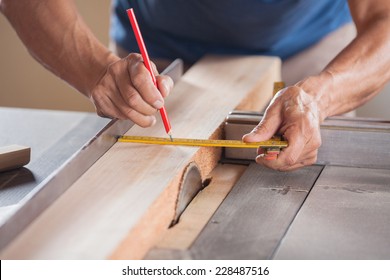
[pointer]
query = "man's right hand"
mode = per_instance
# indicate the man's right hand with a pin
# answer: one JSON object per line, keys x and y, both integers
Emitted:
{"x": 126, "y": 91}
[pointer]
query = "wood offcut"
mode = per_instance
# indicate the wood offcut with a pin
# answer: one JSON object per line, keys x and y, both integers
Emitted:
{"x": 14, "y": 156}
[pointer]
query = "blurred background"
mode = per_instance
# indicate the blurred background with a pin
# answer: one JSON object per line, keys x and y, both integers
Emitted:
{"x": 25, "y": 83}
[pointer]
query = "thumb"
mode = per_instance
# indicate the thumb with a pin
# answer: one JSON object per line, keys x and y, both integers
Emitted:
{"x": 263, "y": 131}
{"x": 164, "y": 84}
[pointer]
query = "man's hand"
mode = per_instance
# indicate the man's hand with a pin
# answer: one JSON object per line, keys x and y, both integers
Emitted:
{"x": 126, "y": 91}
{"x": 294, "y": 114}
{"x": 119, "y": 88}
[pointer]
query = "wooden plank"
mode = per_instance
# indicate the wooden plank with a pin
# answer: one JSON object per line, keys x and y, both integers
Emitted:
{"x": 346, "y": 216}
{"x": 198, "y": 213}
{"x": 122, "y": 204}
{"x": 255, "y": 215}
{"x": 14, "y": 156}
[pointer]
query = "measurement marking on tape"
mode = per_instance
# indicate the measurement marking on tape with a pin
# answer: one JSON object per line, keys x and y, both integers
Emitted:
{"x": 202, "y": 142}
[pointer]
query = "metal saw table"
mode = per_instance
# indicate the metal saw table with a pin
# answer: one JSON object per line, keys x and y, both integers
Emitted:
{"x": 336, "y": 209}
{"x": 54, "y": 136}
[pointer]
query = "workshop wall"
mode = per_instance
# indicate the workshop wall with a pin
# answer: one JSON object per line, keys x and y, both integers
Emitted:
{"x": 377, "y": 107}
{"x": 24, "y": 83}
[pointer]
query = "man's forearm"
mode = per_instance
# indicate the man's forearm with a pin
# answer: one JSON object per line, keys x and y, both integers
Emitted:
{"x": 360, "y": 71}
{"x": 58, "y": 38}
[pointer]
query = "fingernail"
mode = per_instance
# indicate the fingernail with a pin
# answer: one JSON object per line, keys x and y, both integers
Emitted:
{"x": 165, "y": 86}
{"x": 270, "y": 157}
{"x": 261, "y": 155}
{"x": 168, "y": 85}
{"x": 158, "y": 104}
{"x": 153, "y": 120}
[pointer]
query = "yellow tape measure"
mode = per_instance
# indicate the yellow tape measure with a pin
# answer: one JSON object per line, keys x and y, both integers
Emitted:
{"x": 202, "y": 142}
{"x": 278, "y": 86}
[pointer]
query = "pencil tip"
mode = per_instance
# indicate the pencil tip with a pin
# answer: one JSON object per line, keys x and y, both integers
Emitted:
{"x": 170, "y": 136}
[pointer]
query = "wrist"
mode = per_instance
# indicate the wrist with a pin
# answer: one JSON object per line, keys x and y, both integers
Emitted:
{"x": 100, "y": 69}
{"x": 319, "y": 87}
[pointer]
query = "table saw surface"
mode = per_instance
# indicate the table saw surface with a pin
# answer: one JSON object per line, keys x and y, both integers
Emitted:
{"x": 54, "y": 136}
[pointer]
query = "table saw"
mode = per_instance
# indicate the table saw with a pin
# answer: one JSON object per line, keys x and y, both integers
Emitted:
{"x": 124, "y": 201}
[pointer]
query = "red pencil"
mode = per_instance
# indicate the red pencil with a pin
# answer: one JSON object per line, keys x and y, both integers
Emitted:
{"x": 145, "y": 56}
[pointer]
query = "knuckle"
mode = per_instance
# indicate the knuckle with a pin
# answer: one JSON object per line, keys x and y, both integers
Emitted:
{"x": 115, "y": 69}
{"x": 139, "y": 79}
{"x": 97, "y": 98}
{"x": 317, "y": 144}
{"x": 128, "y": 113}
{"x": 133, "y": 99}
{"x": 318, "y": 141}
{"x": 134, "y": 57}
{"x": 100, "y": 113}
{"x": 262, "y": 127}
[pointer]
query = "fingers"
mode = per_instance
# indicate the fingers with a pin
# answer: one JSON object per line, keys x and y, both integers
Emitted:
{"x": 127, "y": 91}
{"x": 164, "y": 84}
{"x": 261, "y": 132}
{"x": 142, "y": 82}
{"x": 113, "y": 106}
{"x": 284, "y": 161}
{"x": 267, "y": 128}
{"x": 294, "y": 114}
{"x": 301, "y": 150}
{"x": 129, "y": 98}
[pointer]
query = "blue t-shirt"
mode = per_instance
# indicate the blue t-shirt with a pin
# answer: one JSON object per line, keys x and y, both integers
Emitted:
{"x": 191, "y": 28}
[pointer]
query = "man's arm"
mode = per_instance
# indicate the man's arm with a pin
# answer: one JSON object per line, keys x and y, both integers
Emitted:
{"x": 58, "y": 38}
{"x": 361, "y": 70}
{"x": 355, "y": 76}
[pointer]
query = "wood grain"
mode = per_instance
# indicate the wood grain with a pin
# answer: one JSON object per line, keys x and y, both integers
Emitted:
{"x": 126, "y": 200}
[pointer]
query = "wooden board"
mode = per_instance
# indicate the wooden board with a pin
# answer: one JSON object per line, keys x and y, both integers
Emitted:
{"x": 346, "y": 216}
{"x": 255, "y": 215}
{"x": 14, "y": 156}
{"x": 123, "y": 203}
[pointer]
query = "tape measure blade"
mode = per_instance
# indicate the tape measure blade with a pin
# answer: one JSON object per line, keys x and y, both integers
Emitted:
{"x": 201, "y": 142}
